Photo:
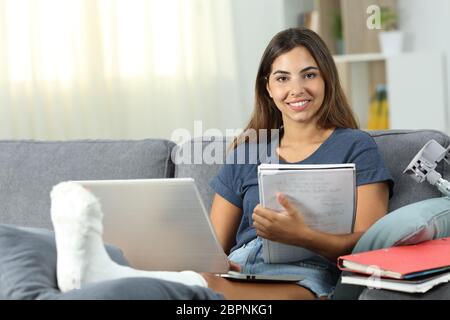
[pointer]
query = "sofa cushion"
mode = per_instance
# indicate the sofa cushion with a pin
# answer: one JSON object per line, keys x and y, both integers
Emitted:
{"x": 28, "y": 262}
{"x": 28, "y": 271}
{"x": 29, "y": 169}
{"x": 421, "y": 221}
{"x": 140, "y": 289}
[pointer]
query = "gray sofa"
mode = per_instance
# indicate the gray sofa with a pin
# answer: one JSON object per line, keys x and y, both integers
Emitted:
{"x": 29, "y": 169}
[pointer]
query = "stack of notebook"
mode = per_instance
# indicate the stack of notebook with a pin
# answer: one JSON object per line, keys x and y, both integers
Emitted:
{"x": 412, "y": 268}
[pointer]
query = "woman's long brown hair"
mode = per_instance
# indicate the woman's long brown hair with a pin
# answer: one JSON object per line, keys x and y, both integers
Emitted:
{"x": 335, "y": 111}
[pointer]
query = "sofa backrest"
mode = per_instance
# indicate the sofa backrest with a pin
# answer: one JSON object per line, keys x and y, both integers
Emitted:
{"x": 29, "y": 169}
{"x": 398, "y": 147}
{"x": 190, "y": 163}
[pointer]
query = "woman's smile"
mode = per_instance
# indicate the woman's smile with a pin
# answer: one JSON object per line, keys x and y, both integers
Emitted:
{"x": 299, "y": 104}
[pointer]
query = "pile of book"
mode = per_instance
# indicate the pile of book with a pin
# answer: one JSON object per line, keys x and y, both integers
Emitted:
{"x": 410, "y": 268}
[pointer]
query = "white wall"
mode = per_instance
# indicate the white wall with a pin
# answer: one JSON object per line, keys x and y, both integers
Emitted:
{"x": 255, "y": 23}
{"x": 292, "y": 8}
{"x": 427, "y": 26}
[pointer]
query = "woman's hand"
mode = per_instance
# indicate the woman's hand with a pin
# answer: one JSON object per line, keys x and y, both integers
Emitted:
{"x": 287, "y": 226}
{"x": 234, "y": 266}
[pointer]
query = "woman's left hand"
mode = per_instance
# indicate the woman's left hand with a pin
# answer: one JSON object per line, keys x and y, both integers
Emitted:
{"x": 286, "y": 226}
{"x": 234, "y": 266}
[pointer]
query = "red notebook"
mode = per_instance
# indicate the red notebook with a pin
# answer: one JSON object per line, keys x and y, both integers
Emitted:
{"x": 402, "y": 262}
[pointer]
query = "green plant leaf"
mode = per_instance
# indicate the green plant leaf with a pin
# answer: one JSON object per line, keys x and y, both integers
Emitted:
{"x": 389, "y": 19}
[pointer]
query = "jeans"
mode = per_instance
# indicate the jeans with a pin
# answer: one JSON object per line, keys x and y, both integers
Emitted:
{"x": 320, "y": 274}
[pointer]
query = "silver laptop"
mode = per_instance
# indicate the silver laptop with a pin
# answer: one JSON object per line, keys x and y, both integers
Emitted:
{"x": 162, "y": 224}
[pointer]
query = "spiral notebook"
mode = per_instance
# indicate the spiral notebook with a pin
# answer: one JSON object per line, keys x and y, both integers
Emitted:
{"x": 324, "y": 194}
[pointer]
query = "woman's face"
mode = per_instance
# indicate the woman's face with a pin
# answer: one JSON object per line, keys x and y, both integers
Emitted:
{"x": 296, "y": 86}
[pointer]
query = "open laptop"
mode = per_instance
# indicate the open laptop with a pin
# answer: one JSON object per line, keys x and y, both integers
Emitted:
{"x": 162, "y": 224}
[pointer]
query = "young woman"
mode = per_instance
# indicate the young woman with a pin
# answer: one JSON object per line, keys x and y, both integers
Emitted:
{"x": 298, "y": 92}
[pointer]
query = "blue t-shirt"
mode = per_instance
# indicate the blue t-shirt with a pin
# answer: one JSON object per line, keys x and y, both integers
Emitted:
{"x": 237, "y": 180}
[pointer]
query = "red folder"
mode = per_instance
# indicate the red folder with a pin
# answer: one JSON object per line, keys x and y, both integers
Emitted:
{"x": 402, "y": 262}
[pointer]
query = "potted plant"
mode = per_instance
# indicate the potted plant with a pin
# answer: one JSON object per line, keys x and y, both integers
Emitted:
{"x": 338, "y": 32}
{"x": 391, "y": 39}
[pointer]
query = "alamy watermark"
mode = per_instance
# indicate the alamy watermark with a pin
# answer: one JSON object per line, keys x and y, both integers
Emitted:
{"x": 214, "y": 146}
{"x": 374, "y": 19}
{"x": 374, "y": 280}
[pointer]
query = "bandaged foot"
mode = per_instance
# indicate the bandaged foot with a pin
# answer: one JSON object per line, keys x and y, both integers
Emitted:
{"x": 82, "y": 258}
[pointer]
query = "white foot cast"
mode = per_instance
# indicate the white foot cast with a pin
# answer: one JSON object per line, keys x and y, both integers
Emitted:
{"x": 82, "y": 258}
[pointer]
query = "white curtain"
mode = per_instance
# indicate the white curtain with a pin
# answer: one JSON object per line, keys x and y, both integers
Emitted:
{"x": 72, "y": 69}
